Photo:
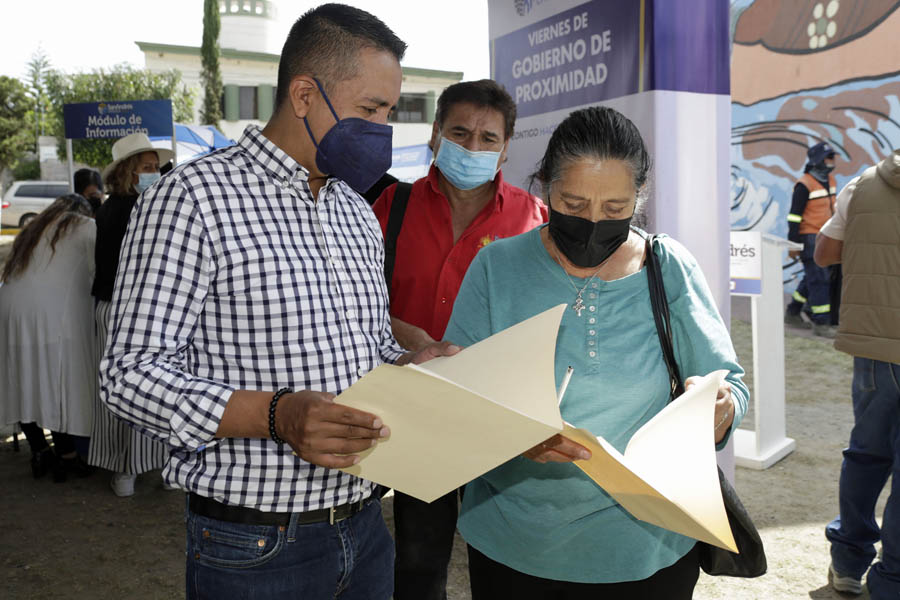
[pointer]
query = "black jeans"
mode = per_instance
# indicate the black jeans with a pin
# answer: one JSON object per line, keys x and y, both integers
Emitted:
{"x": 64, "y": 443}
{"x": 491, "y": 580}
{"x": 423, "y": 540}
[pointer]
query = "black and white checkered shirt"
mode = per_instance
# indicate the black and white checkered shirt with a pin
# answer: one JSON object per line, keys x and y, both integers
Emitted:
{"x": 232, "y": 276}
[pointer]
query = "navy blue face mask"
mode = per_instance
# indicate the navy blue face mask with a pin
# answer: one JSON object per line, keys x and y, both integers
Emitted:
{"x": 354, "y": 150}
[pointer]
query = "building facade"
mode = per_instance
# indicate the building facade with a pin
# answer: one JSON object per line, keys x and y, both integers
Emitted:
{"x": 250, "y": 73}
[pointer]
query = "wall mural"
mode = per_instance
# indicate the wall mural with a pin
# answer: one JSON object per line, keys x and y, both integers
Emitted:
{"x": 804, "y": 71}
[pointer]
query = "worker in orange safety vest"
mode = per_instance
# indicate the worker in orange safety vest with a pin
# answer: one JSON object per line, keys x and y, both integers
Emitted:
{"x": 812, "y": 204}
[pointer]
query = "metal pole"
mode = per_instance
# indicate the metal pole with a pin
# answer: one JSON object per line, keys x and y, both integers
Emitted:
{"x": 174, "y": 143}
{"x": 71, "y": 165}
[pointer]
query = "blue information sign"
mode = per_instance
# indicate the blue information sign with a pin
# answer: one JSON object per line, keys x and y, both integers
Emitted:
{"x": 113, "y": 120}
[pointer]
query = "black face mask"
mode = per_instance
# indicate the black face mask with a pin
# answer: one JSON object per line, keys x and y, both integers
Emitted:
{"x": 586, "y": 243}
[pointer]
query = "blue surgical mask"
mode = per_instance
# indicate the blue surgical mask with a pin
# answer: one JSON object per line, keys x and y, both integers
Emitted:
{"x": 464, "y": 169}
{"x": 355, "y": 150}
{"x": 145, "y": 180}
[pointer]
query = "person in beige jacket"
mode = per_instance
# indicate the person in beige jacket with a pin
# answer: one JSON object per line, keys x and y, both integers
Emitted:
{"x": 864, "y": 235}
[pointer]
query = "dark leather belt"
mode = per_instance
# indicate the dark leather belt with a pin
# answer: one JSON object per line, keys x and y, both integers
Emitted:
{"x": 207, "y": 507}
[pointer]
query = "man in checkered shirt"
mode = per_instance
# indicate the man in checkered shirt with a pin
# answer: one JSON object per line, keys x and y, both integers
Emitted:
{"x": 258, "y": 268}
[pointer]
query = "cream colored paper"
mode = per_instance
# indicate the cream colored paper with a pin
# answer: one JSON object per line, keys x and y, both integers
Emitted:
{"x": 668, "y": 474}
{"x": 457, "y": 417}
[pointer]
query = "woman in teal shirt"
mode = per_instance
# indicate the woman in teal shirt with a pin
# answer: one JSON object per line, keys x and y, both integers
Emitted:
{"x": 537, "y": 527}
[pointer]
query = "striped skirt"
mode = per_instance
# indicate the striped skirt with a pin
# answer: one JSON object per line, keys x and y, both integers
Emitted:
{"x": 114, "y": 445}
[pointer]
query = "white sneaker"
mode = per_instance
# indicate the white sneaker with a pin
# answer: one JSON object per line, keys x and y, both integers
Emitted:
{"x": 122, "y": 484}
{"x": 844, "y": 583}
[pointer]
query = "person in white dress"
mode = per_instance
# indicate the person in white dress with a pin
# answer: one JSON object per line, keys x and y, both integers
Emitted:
{"x": 49, "y": 371}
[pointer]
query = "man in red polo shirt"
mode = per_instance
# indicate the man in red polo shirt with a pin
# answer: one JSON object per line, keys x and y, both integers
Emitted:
{"x": 461, "y": 206}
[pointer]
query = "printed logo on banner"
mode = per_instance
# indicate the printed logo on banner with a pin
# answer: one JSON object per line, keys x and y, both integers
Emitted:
{"x": 523, "y": 7}
{"x": 580, "y": 56}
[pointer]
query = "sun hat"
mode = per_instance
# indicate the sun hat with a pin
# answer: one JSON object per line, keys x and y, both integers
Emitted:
{"x": 136, "y": 143}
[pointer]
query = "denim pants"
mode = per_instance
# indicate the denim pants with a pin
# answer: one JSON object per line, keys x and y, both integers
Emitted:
{"x": 871, "y": 457}
{"x": 350, "y": 560}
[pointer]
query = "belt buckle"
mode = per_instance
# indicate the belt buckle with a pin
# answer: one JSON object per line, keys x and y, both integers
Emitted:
{"x": 358, "y": 505}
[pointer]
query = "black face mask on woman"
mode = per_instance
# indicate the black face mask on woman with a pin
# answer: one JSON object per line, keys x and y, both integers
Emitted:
{"x": 586, "y": 243}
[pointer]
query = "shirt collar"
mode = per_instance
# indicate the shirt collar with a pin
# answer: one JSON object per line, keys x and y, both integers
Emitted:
{"x": 273, "y": 159}
{"x": 497, "y": 202}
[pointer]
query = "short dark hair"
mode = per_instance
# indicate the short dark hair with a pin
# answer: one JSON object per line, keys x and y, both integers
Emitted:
{"x": 484, "y": 92}
{"x": 325, "y": 42}
{"x": 596, "y": 132}
{"x": 84, "y": 178}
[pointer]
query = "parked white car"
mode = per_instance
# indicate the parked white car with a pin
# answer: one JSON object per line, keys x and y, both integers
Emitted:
{"x": 25, "y": 199}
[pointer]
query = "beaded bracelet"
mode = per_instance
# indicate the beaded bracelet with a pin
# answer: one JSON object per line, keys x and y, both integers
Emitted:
{"x": 275, "y": 398}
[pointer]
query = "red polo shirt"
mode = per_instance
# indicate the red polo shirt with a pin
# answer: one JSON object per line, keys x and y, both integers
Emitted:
{"x": 429, "y": 267}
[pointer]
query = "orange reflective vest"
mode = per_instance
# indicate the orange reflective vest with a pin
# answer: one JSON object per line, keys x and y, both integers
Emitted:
{"x": 820, "y": 205}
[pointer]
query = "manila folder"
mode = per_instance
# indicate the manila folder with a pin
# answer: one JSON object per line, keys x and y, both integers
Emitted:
{"x": 454, "y": 418}
{"x": 668, "y": 474}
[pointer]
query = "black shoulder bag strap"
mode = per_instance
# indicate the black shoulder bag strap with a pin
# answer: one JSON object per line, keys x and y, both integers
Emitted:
{"x": 395, "y": 221}
{"x": 751, "y": 560}
{"x": 661, "y": 317}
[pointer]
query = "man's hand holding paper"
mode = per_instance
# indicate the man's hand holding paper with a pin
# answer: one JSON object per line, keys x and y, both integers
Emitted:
{"x": 324, "y": 433}
{"x": 330, "y": 435}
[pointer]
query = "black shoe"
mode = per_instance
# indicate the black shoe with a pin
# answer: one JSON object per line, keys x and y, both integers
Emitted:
{"x": 77, "y": 467}
{"x": 59, "y": 470}
{"x": 42, "y": 461}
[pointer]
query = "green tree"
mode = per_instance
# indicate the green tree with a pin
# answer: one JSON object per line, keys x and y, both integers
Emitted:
{"x": 30, "y": 168}
{"x": 36, "y": 75}
{"x": 211, "y": 75}
{"x": 15, "y": 137}
{"x": 117, "y": 84}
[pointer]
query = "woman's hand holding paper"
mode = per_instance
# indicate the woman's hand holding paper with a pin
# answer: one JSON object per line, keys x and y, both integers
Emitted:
{"x": 557, "y": 449}
{"x": 724, "y": 416}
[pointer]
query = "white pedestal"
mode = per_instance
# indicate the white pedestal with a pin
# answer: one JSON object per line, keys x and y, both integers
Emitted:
{"x": 767, "y": 443}
{"x": 747, "y": 451}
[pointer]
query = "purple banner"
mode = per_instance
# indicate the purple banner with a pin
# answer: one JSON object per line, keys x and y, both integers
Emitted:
{"x": 690, "y": 48}
{"x": 581, "y": 56}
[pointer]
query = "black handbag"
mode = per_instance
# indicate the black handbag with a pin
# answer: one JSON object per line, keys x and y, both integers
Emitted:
{"x": 751, "y": 558}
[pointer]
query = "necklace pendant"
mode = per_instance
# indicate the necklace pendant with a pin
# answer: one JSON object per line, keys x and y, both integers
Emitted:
{"x": 578, "y": 306}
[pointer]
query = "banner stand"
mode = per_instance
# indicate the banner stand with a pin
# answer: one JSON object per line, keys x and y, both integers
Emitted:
{"x": 766, "y": 443}
{"x": 174, "y": 144}
{"x": 71, "y": 163}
